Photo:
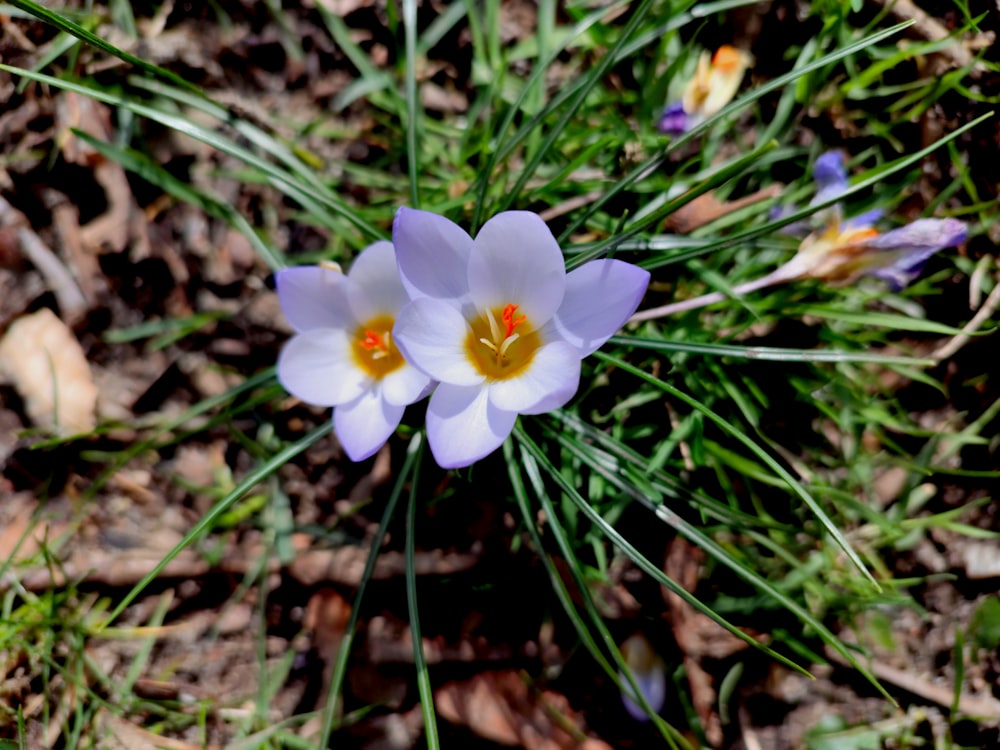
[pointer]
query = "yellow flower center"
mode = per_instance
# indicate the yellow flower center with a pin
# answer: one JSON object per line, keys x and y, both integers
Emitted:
{"x": 373, "y": 348}
{"x": 501, "y": 343}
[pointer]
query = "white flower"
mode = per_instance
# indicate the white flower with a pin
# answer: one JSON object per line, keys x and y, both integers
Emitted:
{"x": 343, "y": 354}
{"x": 499, "y": 322}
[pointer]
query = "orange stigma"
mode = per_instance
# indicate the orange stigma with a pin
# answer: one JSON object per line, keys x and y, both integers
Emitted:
{"x": 375, "y": 343}
{"x": 509, "y": 321}
{"x": 727, "y": 58}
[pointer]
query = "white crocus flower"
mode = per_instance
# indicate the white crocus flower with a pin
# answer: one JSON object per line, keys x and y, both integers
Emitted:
{"x": 499, "y": 322}
{"x": 343, "y": 354}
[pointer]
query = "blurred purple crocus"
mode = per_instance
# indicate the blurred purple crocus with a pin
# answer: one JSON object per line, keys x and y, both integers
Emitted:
{"x": 649, "y": 673}
{"x": 843, "y": 250}
{"x": 343, "y": 354}
{"x": 499, "y": 323}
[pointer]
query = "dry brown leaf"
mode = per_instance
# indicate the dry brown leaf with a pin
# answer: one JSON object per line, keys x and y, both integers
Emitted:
{"x": 110, "y": 230}
{"x": 501, "y": 707}
{"x": 696, "y": 634}
{"x": 707, "y": 208}
{"x": 389, "y": 640}
{"x": 46, "y": 364}
{"x": 344, "y": 565}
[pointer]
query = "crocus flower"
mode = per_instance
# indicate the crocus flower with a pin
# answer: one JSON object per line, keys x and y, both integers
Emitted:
{"x": 343, "y": 354}
{"x": 649, "y": 673}
{"x": 499, "y": 322}
{"x": 713, "y": 85}
{"x": 842, "y": 250}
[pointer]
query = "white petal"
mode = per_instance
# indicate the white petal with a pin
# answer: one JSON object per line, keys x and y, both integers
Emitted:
{"x": 317, "y": 367}
{"x": 517, "y": 260}
{"x": 405, "y": 385}
{"x": 376, "y": 288}
{"x": 553, "y": 375}
{"x": 724, "y": 83}
{"x": 314, "y": 297}
{"x": 600, "y": 297}
{"x": 463, "y": 426}
{"x": 433, "y": 254}
{"x": 432, "y": 334}
{"x": 363, "y": 425}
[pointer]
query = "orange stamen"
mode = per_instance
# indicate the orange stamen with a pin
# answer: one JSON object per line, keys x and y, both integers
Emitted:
{"x": 509, "y": 321}
{"x": 727, "y": 58}
{"x": 373, "y": 342}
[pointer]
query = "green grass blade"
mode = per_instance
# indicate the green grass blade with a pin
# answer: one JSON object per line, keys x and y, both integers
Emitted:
{"x": 767, "y": 353}
{"x": 535, "y": 80}
{"x": 406, "y": 474}
{"x": 70, "y": 27}
{"x": 262, "y": 378}
{"x": 257, "y": 136}
{"x": 282, "y": 179}
{"x": 716, "y": 178}
{"x": 637, "y": 557}
{"x": 142, "y": 165}
{"x": 590, "y": 81}
{"x": 419, "y": 662}
{"x": 773, "y": 465}
{"x": 872, "y": 180}
{"x": 668, "y": 731}
{"x": 208, "y": 520}
{"x": 656, "y": 162}
{"x": 892, "y": 321}
{"x": 709, "y": 545}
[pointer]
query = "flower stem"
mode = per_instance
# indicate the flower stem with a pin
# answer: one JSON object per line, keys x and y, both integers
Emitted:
{"x": 778, "y": 276}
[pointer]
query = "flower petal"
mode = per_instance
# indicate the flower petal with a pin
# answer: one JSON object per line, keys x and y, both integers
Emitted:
{"x": 376, "y": 289}
{"x": 463, "y": 426}
{"x": 432, "y": 335}
{"x": 363, "y": 425}
{"x": 517, "y": 260}
{"x": 724, "y": 82}
{"x": 600, "y": 297}
{"x": 830, "y": 173}
{"x": 318, "y": 367}
{"x": 405, "y": 385}
{"x": 865, "y": 219}
{"x": 314, "y": 297}
{"x": 653, "y": 685}
{"x": 908, "y": 248}
{"x": 552, "y": 378}
{"x": 433, "y": 254}
{"x": 674, "y": 120}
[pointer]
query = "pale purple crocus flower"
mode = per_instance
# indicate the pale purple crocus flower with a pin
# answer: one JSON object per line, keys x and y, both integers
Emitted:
{"x": 343, "y": 354}
{"x": 499, "y": 322}
{"x": 715, "y": 82}
{"x": 649, "y": 674}
{"x": 842, "y": 250}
